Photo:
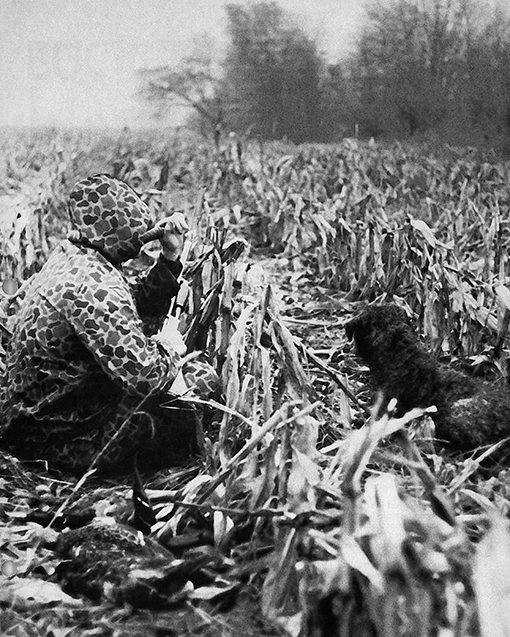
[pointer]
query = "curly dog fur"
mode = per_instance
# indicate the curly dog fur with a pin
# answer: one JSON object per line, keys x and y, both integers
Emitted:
{"x": 470, "y": 412}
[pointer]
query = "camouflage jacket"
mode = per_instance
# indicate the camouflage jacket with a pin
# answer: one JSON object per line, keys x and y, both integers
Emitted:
{"x": 81, "y": 339}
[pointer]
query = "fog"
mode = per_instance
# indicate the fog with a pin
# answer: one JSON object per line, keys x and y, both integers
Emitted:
{"x": 74, "y": 62}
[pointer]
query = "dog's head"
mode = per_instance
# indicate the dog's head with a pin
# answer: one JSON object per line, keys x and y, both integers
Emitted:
{"x": 375, "y": 329}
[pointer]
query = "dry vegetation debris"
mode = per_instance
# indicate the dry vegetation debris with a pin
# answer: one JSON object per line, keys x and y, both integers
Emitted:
{"x": 304, "y": 505}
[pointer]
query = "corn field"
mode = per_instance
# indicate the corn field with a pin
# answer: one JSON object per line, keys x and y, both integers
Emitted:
{"x": 344, "y": 523}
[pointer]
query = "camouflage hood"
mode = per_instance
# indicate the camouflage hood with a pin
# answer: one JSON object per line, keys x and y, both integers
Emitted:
{"x": 108, "y": 215}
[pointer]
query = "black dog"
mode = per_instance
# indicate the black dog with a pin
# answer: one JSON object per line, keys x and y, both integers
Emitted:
{"x": 470, "y": 412}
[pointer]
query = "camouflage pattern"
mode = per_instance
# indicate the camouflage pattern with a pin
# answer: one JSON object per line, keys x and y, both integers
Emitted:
{"x": 81, "y": 360}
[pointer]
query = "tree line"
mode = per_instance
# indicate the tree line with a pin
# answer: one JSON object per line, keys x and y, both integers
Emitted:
{"x": 421, "y": 68}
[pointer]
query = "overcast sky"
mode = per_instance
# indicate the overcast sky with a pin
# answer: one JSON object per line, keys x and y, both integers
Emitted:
{"x": 74, "y": 62}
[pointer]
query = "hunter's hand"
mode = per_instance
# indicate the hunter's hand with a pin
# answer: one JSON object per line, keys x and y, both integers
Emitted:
{"x": 170, "y": 337}
{"x": 172, "y": 241}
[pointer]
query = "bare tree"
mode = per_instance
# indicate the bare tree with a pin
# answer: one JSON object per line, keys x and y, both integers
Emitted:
{"x": 269, "y": 83}
{"x": 196, "y": 84}
{"x": 412, "y": 62}
{"x": 486, "y": 90}
{"x": 273, "y": 73}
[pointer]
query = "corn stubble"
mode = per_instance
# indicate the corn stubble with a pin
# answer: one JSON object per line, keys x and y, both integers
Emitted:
{"x": 362, "y": 536}
{"x": 349, "y": 547}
